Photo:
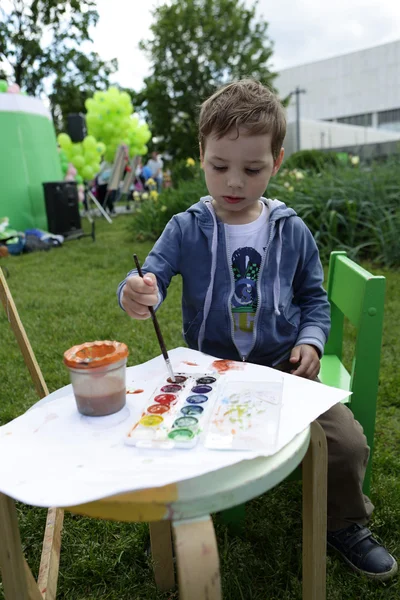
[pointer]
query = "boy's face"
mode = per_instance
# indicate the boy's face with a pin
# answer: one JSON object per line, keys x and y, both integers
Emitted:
{"x": 237, "y": 171}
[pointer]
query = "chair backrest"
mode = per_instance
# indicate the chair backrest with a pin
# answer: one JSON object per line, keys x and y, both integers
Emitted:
{"x": 359, "y": 296}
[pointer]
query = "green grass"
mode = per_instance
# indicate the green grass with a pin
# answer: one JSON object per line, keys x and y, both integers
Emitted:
{"x": 67, "y": 296}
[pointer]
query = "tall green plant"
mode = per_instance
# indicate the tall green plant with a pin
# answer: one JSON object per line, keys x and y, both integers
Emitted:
{"x": 356, "y": 209}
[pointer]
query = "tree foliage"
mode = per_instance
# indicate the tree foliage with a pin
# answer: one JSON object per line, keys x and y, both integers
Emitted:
{"x": 42, "y": 48}
{"x": 196, "y": 46}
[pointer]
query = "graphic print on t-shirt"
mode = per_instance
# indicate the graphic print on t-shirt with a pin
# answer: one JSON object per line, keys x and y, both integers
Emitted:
{"x": 246, "y": 264}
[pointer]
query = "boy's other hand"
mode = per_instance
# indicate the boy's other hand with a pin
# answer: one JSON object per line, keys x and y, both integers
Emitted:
{"x": 306, "y": 358}
{"x": 138, "y": 294}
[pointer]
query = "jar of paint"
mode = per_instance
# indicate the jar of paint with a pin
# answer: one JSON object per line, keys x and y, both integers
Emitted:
{"x": 97, "y": 371}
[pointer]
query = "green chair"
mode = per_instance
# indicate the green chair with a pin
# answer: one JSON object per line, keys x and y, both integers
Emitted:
{"x": 359, "y": 296}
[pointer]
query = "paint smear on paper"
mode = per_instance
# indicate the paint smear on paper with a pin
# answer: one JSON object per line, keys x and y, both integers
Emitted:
{"x": 191, "y": 364}
{"x": 131, "y": 391}
{"x": 223, "y": 366}
{"x": 136, "y": 425}
{"x": 49, "y": 417}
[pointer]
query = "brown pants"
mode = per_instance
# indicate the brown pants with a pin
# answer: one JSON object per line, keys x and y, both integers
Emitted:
{"x": 348, "y": 455}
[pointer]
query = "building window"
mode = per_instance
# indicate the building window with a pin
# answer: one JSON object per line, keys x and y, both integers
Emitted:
{"x": 389, "y": 119}
{"x": 364, "y": 120}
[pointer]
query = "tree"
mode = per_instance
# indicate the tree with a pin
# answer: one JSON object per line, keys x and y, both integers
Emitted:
{"x": 42, "y": 49}
{"x": 198, "y": 45}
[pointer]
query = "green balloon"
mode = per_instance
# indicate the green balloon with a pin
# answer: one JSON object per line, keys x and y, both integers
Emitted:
{"x": 87, "y": 172}
{"x": 78, "y": 161}
{"x": 3, "y": 85}
{"x": 76, "y": 149}
{"x": 108, "y": 128}
{"x": 78, "y": 179}
{"x": 89, "y": 142}
{"x": 64, "y": 140}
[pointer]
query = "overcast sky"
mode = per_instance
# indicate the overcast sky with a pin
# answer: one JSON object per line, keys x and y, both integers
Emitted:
{"x": 302, "y": 30}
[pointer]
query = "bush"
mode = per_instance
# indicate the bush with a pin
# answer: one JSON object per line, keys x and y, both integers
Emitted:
{"x": 152, "y": 216}
{"x": 312, "y": 160}
{"x": 351, "y": 208}
{"x": 348, "y": 208}
{"x": 185, "y": 170}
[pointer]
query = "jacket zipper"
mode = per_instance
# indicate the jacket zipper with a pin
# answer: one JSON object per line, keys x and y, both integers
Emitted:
{"x": 263, "y": 262}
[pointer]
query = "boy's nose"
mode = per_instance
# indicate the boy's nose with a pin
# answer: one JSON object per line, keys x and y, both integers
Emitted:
{"x": 235, "y": 181}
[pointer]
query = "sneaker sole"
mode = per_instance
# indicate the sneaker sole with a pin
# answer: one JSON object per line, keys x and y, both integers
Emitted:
{"x": 377, "y": 576}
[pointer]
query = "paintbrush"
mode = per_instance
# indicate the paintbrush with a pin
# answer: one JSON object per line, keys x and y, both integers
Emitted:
{"x": 157, "y": 327}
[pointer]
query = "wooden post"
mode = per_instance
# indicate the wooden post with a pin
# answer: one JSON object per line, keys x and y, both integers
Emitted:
{"x": 22, "y": 338}
{"x": 315, "y": 466}
{"x": 49, "y": 564}
{"x": 50, "y": 559}
{"x": 18, "y": 581}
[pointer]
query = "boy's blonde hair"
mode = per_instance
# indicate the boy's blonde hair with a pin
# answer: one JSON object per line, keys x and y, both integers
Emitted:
{"x": 245, "y": 103}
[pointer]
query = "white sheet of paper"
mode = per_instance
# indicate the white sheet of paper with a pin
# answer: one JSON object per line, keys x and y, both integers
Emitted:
{"x": 53, "y": 456}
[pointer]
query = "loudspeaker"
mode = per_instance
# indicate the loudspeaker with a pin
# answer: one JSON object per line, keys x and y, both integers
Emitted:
{"x": 76, "y": 127}
{"x": 62, "y": 208}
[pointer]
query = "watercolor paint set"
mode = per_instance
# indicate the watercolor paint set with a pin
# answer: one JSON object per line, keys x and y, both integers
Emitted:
{"x": 176, "y": 414}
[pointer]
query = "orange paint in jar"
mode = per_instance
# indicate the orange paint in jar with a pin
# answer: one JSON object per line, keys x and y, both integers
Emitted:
{"x": 97, "y": 371}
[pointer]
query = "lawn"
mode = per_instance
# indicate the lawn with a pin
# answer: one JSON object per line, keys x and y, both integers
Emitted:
{"x": 67, "y": 296}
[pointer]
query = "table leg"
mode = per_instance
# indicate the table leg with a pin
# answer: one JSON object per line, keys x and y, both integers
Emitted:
{"x": 197, "y": 559}
{"x": 161, "y": 551}
{"x": 315, "y": 465}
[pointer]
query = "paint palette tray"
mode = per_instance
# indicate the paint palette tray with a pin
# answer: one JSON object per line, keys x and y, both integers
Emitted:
{"x": 176, "y": 413}
{"x": 245, "y": 415}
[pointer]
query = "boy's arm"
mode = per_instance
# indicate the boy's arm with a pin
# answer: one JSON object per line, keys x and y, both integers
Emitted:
{"x": 163, "y": 261}
{"x": 310, "y": 296}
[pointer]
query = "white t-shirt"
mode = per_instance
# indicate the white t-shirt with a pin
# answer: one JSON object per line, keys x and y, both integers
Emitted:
{"x": 156, "y": 167}
{"x": 246, "y": 244}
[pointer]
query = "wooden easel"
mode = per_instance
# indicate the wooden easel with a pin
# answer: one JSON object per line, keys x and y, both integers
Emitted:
{"x": 46, "y": 586}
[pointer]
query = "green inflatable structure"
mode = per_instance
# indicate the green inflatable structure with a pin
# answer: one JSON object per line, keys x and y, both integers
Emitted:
{"x": 28, "y": 158}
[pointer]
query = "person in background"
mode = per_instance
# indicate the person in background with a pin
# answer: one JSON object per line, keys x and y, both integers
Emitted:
{"x": 156, "y": 165}
{"x": 102, "y": 180}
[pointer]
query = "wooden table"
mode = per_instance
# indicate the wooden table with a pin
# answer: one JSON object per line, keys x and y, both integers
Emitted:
{"x": 185, "y": 508}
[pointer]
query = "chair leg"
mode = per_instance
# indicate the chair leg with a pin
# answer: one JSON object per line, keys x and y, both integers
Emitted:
{"x": 18, "y": 581}
{"x": 197, "y": 559}
{"x": 161, "y": 550}
{"x": 315, "y": 465}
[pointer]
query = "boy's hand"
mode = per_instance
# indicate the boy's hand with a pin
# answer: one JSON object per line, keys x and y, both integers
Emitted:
{"x": 308, "y": 361}
{"x": 138, "y": 294}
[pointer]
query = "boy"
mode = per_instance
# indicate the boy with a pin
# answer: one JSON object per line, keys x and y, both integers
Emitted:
{"x": 252, "y": 288}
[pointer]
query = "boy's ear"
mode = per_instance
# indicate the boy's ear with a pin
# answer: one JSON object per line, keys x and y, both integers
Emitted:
{"x": 278, "y": 162}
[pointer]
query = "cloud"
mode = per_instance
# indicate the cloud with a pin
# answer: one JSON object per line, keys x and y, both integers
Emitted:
{"x": 309, "y": 30}
{"x": 302, "y": 31}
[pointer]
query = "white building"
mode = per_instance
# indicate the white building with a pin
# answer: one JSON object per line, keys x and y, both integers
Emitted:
{"x": 361, "y": 89}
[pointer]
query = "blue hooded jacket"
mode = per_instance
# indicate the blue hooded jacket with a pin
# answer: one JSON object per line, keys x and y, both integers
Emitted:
{"x": 292, "y": 305}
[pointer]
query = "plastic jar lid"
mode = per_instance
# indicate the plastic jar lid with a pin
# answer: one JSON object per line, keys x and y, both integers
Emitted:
{"x": 95, "y": 354}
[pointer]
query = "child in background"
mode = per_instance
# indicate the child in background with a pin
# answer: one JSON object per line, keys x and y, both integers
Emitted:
{"x": 252, "y": 289}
